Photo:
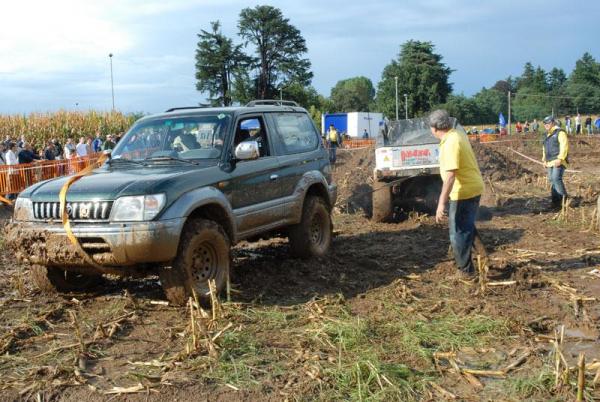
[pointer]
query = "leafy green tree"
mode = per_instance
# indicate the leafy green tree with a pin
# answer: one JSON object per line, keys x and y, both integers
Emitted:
{"x": 353, "y": 95}
{"x": 421, "y": 75}
{"x": 532, "y": 100}
{"x": 217, "y": 60}
{"x": 464, "y": 109}
{"x": 279, "y": 50}
{"x": 584, "y": 84}
{"x": 490, "y": 103}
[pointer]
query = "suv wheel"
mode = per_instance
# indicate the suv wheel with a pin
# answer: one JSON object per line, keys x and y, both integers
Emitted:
{"x": 203, "y": 254}
{"x": 312, "y": 236}
{"x": 53, "y": 279}
{"x": 382, "y": 202}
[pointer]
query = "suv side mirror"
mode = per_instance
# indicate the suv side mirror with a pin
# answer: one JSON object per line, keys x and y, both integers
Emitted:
{"x": 247, "y": 150}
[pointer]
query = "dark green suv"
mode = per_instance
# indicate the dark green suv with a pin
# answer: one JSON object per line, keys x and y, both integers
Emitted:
{"x": 179, "y": 189}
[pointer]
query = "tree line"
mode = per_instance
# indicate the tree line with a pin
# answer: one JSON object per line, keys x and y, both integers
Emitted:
{"x": 269, "y": 63}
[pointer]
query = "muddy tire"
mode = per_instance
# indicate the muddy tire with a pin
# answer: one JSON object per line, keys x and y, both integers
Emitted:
{"x": 52, "y": 279}
{"x": 203, "y": 254}
{"x": 382, "y": 202}
{"x": 312, "y": 236}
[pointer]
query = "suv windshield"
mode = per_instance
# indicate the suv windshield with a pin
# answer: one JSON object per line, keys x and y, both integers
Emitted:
{"x": 191, "y": 137}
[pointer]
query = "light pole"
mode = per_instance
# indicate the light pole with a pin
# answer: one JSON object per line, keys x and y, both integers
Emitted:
{"x": 281, "y": 93}
{"x": 406, "y": 106}
{"x": 112, "y": 86}
{"x": 396, "y": 79}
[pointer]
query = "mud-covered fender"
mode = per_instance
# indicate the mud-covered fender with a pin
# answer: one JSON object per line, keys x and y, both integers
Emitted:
{"x": 315, "y": 182}
{"x": 191, "y": 201}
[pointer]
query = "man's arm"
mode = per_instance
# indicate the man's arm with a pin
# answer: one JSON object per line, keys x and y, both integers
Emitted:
{"x": 445, "y": 194}
{"x": 563, "y": 142}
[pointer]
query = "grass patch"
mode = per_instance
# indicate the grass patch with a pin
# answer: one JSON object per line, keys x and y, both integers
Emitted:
{"x": 532, "y": 387}
{"x": 444, "y": 333}
{"x": 359, "y": 370}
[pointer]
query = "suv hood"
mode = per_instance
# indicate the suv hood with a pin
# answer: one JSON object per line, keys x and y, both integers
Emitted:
{"x": 109, "y": 184}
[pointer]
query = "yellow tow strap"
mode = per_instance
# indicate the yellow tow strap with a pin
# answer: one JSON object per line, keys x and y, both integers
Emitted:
{"x": 63, "y": 208}
{"x": 5, "y": 201}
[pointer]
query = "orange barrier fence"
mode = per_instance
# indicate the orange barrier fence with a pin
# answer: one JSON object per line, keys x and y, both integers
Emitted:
{"x": 362, "y": 143}
{"x": 16, "y": 178}
{"x": 484, "y": 137}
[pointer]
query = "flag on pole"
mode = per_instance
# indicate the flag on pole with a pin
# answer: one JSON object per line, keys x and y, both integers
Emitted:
{"x": 501, "y": 120}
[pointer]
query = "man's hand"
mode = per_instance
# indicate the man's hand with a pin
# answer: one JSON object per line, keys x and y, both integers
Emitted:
{"x": 440, "y": 214}
{"x": 557, "y": 163}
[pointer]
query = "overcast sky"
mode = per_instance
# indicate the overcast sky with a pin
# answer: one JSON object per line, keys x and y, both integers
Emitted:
{"x": 54, "y": 54}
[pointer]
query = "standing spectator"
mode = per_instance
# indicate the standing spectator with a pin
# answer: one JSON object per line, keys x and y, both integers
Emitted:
{"x": 2, "y": 152}
{"x": 70, "y": 149}
{"x": 597, "y": 124}
{"x": 535, "y": 126}
{"x": 555, "y": 154}
{"x": 27, "y": 155}
{"x": 365, "y": 135}
{"x": 81, "y": 148}
{"x": 11, "y": 159}
{"x": 58, "y": 149}
{"x": 11, "y": 154}
{"x": 21, "y": 143}
{"x": 526, "y": 127}
{"x": 518, "y": 127}
{"x": 89, "y": 145}
{"x": 50, "y": 152}
{"x": 568, "y": 125}
{"x": 7, "y": 141}
{"x": 462, "y": 189}
{"x": 333, "y": 140}
{"x": 109, "y": 144}
{"x": 588, "y": 125}
{"x": 97, "y": 143}
{"x": 578, "y": 124}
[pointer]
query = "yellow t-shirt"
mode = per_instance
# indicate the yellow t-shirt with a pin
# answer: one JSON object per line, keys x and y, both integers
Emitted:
{"x": 456, "y": 154}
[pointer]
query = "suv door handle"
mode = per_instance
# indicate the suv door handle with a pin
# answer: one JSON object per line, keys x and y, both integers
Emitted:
{"x": 274, "y": 177}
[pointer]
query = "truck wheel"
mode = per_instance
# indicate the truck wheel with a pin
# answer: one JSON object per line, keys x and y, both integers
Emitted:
{"x": 53, "y": 279}
{"x": 203, "y": 254}
{"x": 312, "y": 236}
{"x": 382, "y": 202}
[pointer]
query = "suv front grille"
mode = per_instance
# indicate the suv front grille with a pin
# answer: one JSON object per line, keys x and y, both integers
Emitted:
{"x": 78, "y": 211}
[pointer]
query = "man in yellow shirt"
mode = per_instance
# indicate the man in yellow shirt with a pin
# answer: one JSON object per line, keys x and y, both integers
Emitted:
{"x": 555, "y": 155}
{"x": 462, "y": 189}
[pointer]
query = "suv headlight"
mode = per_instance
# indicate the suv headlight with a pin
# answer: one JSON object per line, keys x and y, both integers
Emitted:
{"x": 137, "y": 208}
{"x": 23, "y": 209}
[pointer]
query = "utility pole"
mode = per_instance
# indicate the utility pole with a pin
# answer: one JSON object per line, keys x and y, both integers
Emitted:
{"x": 406, "y": 106}
{"x": 509, "y": 129}
{"x": 112, "y": 85}
{"x": 396, "y": 79}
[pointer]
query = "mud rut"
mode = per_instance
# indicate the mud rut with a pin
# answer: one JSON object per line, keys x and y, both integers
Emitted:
{"x": 284, "y": 335}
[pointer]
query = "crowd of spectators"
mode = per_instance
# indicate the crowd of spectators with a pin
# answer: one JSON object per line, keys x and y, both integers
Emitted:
{"x": 17, "y": 151}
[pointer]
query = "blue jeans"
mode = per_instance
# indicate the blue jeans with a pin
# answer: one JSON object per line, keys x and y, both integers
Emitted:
{"x": 461, "y": 223}
{"x": 555, "y": 177}
{"x": 332, "y": 152}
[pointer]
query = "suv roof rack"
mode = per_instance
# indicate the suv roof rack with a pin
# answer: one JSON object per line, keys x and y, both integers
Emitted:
{"x": 271, "y": 102}
{"x": 186, "y": 107}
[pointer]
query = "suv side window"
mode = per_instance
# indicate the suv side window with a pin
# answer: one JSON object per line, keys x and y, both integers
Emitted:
{"x": 296, "y": 132}
{"x": 252, "y": 129}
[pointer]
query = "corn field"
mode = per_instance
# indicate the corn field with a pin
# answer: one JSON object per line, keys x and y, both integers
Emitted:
{"x": 40, "y": 127}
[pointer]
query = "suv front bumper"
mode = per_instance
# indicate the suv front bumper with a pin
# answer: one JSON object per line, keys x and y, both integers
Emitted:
{"x": 108, "y": 244}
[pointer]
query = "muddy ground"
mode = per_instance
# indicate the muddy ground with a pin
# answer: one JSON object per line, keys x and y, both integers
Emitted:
{"x": 382, "y": 317}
